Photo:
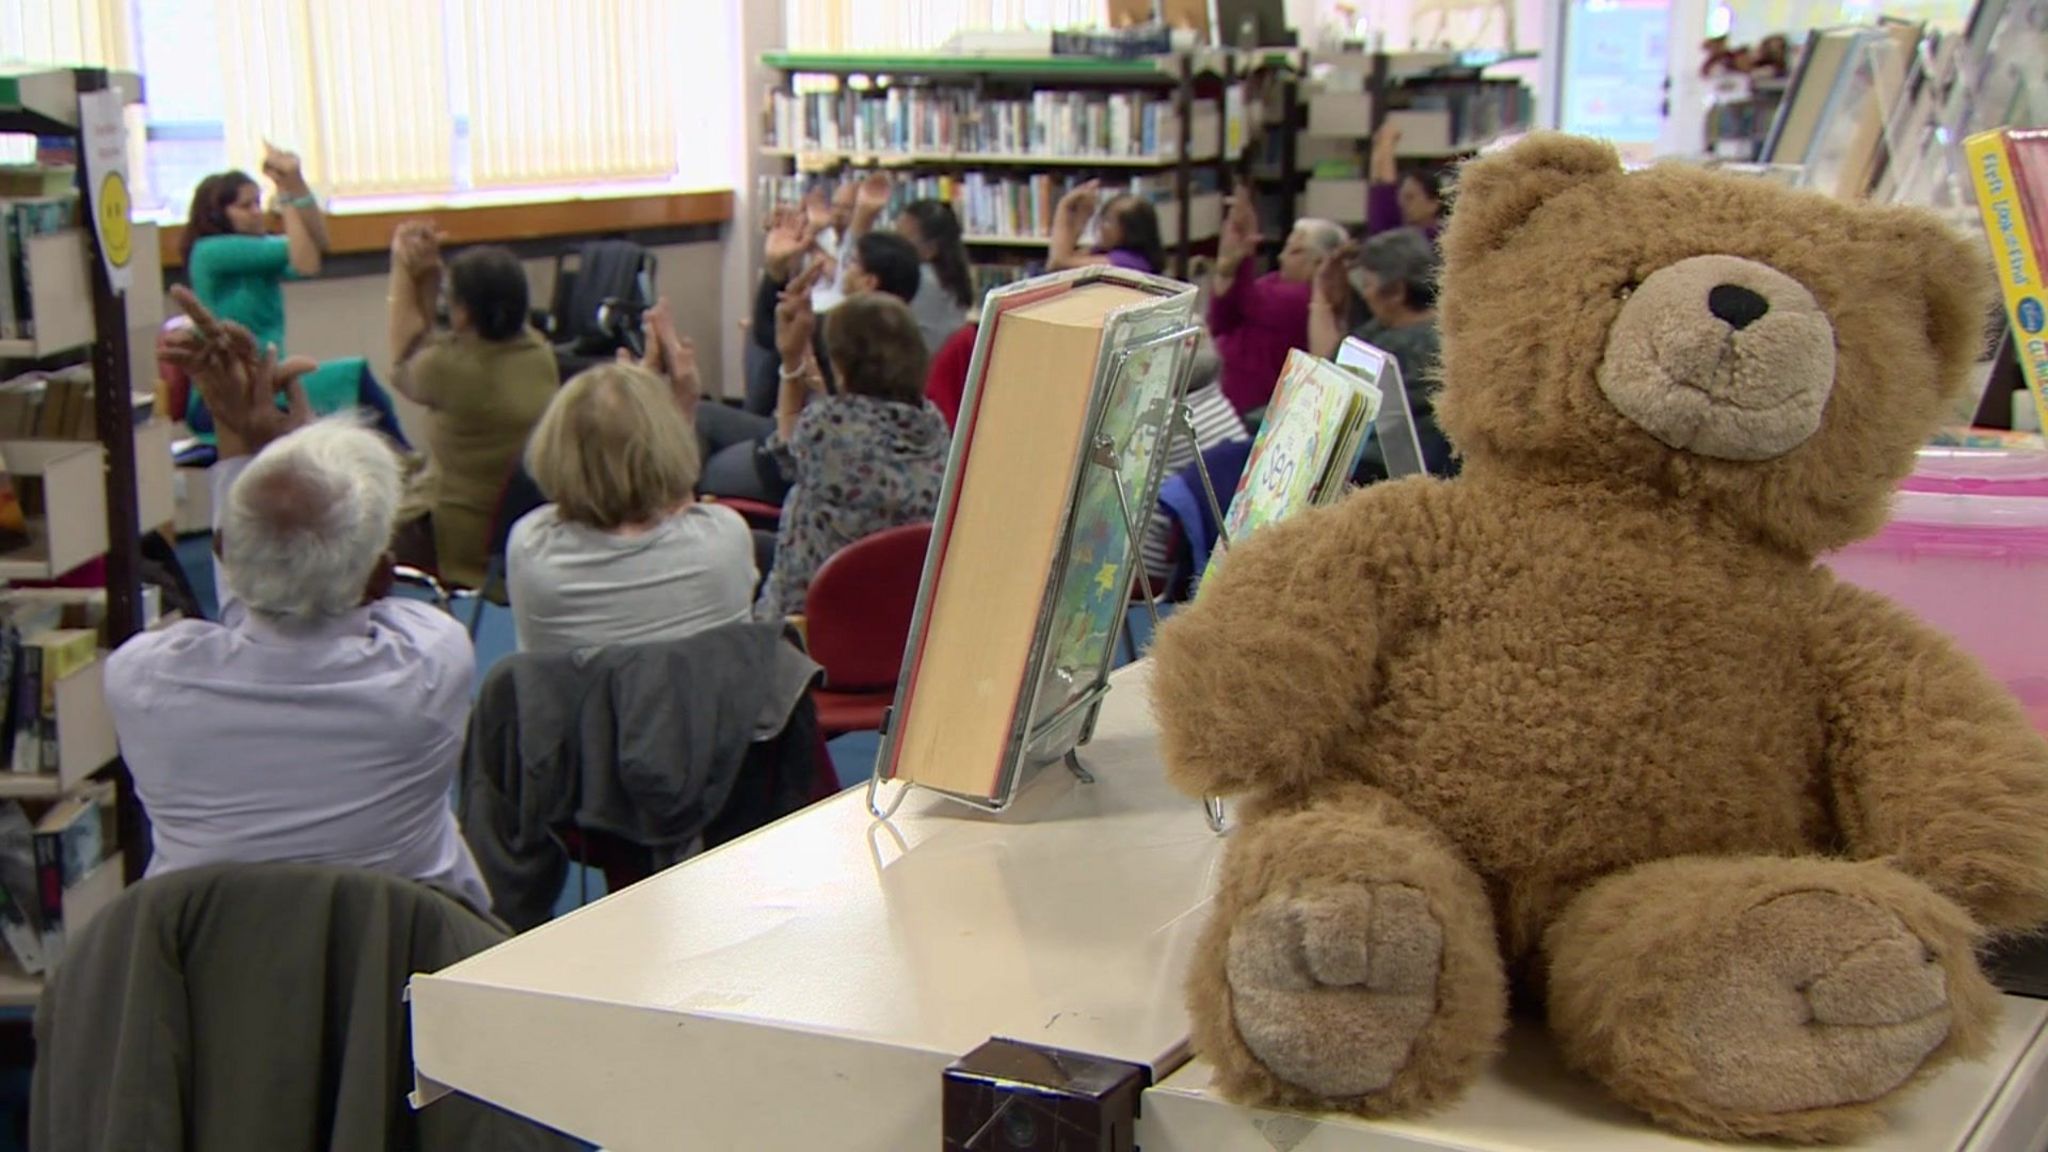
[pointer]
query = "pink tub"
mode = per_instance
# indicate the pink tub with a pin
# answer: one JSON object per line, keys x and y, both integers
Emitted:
{"x": 1967, "y": 551}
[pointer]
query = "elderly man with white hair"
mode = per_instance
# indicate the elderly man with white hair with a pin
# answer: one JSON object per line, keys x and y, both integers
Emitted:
{"x": 321, "y": 721}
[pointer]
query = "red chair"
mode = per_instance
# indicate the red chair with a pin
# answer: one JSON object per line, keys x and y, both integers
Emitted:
{"x": 766, "y": 517}
{"x": 857, "y": 617}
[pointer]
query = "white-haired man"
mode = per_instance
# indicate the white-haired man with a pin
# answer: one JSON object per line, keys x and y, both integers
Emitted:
{"x": 321, "y": 721}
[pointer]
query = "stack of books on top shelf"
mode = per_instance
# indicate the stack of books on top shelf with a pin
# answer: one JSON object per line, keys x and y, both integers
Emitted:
{"x": 20, "y": 222}
{"x": 2010, "y": 171}
{"x": 43, "y": 864}
{"x": 913, "y": 122}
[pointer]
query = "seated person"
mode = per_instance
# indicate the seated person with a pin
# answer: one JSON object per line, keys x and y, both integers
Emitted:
{"x": 737, "y": 462}
{"x": 945, "y": 287}
{"x": 1394, "y": 275}
{"x": 1394, "y": 199}
{"x": 1126, "y": 233}
{"x": 625, "y": 554}
{"x": 322, "y": 720}
{"x": 238, "y": 270}
{"x": 486, "y": 380}
{"x": 867, "y": 458}
{"x": 1256, "y": 320}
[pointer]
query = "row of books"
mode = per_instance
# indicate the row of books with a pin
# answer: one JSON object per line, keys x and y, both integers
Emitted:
{"x": 996, "y": 207}
{"x": 35, "y": 653}
{"x": 48, "y": 406}
{"x": 41, "y": 862}
{"x": 2009, "y": 168}
{"x": 20, "y": 222}
{"x": 918, "y": 121}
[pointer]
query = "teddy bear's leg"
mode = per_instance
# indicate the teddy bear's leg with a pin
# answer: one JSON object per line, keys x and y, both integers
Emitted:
{"x": 1350, "y": 963}
{"x": 1778, "y": 998}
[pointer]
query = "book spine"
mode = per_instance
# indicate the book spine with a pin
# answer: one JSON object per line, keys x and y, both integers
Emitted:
{"x": 50, "y": 893}
{"x": 21, "y": 936}
{"x": 2014, "y": 250}
{"x": 25, "y": 712}
{"x": 10, "y": 668}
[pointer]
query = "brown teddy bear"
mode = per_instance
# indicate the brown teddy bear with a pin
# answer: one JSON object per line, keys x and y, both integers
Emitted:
{"x": 1588, "y": 721}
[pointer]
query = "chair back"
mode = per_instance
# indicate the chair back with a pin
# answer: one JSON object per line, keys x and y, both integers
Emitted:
{"x": 607, "y": 272}
{"x": 857, "y": 612}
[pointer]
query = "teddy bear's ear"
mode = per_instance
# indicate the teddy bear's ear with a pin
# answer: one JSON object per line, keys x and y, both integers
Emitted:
{"x": 1496, "y": 193}
{"x": 1956, "y": 280}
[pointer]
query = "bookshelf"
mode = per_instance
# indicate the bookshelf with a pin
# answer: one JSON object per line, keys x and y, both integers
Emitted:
{"x": 1002, "y": 138}
{"x": 1319, "y": 130}
{"x": 99, "y": 473}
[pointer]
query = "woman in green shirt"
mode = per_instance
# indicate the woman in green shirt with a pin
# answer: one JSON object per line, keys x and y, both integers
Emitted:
{"x": 238, "y": 270}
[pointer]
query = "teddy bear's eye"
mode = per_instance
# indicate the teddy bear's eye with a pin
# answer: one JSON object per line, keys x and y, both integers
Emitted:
{"x": 1626, "y": 289}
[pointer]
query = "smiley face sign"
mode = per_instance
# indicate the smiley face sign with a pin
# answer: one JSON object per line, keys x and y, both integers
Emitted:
{"x": 117, "y": 234}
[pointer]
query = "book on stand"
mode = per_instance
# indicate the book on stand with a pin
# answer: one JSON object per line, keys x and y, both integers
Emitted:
{"x": 1078, "y": 378}
{"x": 1999, "y": 168}
{"x": 1306, "y": 450}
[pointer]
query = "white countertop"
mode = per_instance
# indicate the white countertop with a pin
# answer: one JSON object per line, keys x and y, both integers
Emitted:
{"x": 805, "y": 987}
{"x": 1529, "y": 1102}
{"x": 829, "y": 959}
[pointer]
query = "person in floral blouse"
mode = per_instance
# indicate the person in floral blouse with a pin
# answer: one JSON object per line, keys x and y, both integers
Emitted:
{"x": 868, "y": 457}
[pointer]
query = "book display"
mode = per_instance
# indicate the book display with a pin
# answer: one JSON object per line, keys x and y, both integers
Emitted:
{"x": 1078, "y": 376}
{"x": 84, "y": 472}
{"x": 1001, "y": 138}
{"x": 2010, "y": 169}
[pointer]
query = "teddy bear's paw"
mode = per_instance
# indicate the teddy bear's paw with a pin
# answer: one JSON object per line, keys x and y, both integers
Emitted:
{"x": 1826, "y": 1000}
{"x": 1332, "y": 985}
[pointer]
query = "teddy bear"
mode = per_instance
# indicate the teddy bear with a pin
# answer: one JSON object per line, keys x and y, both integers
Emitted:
{"x": 1587, "y": 728}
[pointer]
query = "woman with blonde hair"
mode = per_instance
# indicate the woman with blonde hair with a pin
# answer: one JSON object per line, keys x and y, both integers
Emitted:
{"x": 625, "y": 553}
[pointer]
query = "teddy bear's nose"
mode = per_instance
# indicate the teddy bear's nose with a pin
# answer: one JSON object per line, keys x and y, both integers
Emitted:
{"x": 1737, "y": 306}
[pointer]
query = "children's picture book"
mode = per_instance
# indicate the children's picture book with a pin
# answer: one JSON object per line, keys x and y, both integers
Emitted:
{"x": 1306, "y": 450}
{"x": 2019, "y": 253}
{"x": 1070, "y": 397}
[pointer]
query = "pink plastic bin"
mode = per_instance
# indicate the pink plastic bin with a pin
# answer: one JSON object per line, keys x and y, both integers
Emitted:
{"x": 1967, "y": 551}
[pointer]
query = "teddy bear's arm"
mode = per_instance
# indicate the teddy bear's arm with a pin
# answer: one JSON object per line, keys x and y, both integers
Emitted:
{"x": 1931, "y": 762}
{"x": 1262, "y": 681}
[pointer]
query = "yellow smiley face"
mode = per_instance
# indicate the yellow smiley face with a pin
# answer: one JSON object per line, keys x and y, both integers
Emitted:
{"x": 116, "y": 235}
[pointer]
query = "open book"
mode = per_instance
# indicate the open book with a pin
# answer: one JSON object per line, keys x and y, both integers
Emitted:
{"x": 1314, "y": 432}
{"x": 1062, "y": 432}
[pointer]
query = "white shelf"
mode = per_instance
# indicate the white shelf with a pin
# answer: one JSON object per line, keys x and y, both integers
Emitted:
{"x": 1529, "y": 1102}
{"x": 853, "y": 958}
{"x": 62, "y": 282}
{"x": 73, "y": 529}
{"x": 1007, "y": 241}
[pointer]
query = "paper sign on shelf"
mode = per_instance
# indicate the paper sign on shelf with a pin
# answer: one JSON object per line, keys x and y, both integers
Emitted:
{"x": 106, "y": 168}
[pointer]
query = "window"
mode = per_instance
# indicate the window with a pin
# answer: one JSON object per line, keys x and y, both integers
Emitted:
{"x": 413, "y": 98}
{"x": 921, "y": 25}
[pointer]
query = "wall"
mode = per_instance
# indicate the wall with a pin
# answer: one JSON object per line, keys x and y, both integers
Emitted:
{"x": 339, "y": 316}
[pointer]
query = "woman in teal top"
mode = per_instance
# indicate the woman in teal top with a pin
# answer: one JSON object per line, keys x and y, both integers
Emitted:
{"x": 238, "y": 270}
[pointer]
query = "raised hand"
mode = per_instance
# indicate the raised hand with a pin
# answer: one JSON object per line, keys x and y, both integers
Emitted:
{"x": 790, "y": 235}
{"x": 240, "y": 383}
{"x": 817, "y": 209}
{"x": 1385, "y": 162}
{"x": 1082, "y": 200}
{"x": 873, "y": 194}
{"x": 416, "y": 248}
{"x": 283, "y": 168}
{"x": 1333, "y": 278}
{"x": 796, "y": 324}
{"x": 1240, "y": 240}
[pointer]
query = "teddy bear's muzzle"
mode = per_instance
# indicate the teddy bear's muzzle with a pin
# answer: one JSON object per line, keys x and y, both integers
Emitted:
{"x": 1722, "y": 357}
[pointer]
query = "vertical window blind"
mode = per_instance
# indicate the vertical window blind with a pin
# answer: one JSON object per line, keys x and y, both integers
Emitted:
{"x": 922, "y": 25}
{"x": 566, "y": 91}
{"x": 413, "y": 97}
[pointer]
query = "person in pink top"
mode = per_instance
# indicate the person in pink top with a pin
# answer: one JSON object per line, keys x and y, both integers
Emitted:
{"x": 1256, "y": 319}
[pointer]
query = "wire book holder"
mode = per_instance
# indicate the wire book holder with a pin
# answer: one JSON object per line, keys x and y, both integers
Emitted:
{"x": 1044, "y": 732}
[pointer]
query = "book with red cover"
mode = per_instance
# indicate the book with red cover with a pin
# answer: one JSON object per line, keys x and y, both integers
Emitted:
{"x": 2027, "y": 148}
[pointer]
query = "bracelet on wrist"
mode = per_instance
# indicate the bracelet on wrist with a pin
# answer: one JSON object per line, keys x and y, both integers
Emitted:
{"x": 807, "y": 368}
{"x": 306, "y": 201}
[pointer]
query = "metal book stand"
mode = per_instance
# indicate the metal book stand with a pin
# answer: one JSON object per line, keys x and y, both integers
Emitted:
{"x": 1103, "y": 453}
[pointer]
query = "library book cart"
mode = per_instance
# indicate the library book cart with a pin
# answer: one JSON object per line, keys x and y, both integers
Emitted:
{"x": 92, "y": 467}
{"x": 811, "y": 985}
